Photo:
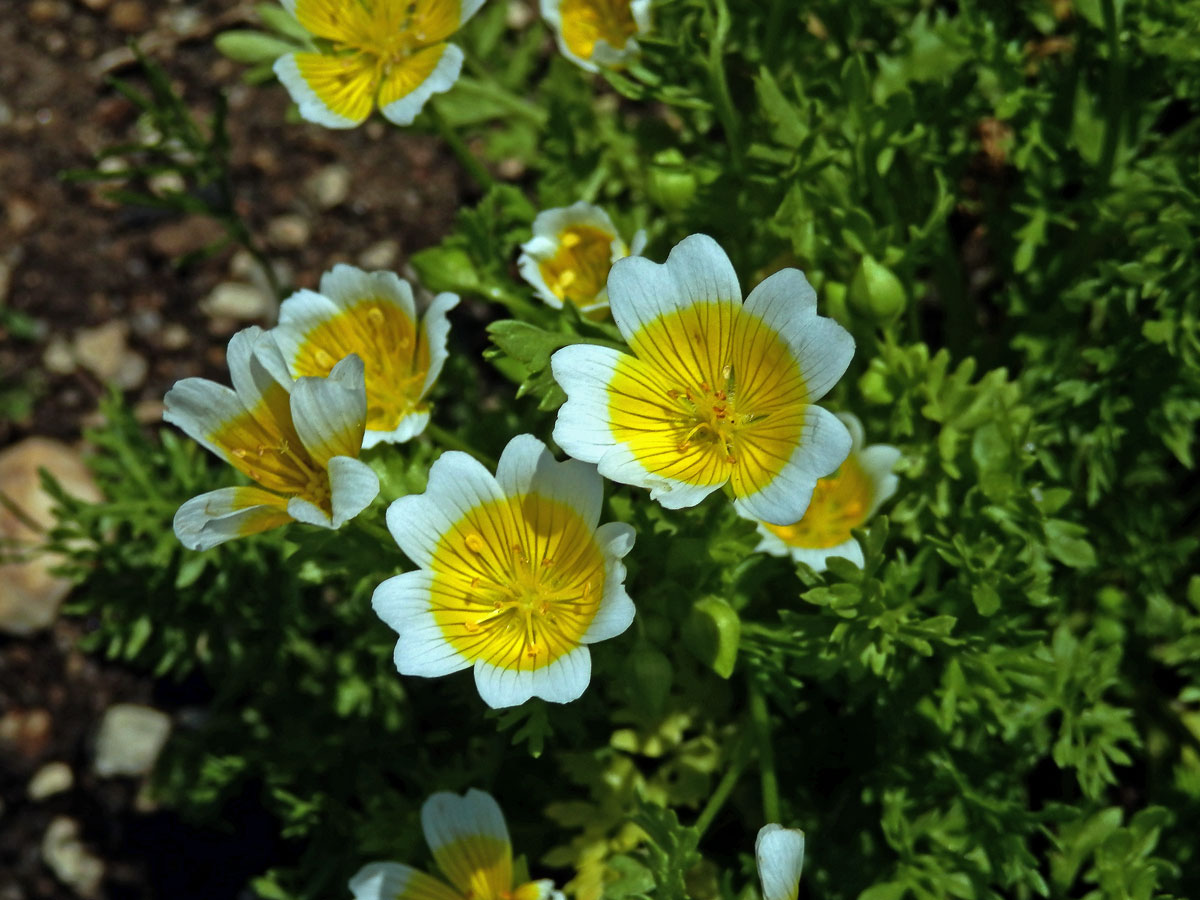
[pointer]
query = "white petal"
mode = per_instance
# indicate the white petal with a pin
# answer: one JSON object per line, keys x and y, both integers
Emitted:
{"x": 410, "y": 426}
{"x": 619, "y": 464}
{"x": 448, "y": 818}
{"x": 526, "y": 467}
{"x": 200, "y": 407}
{"x": 616, "y": 610}
{"x": 405, "y": 604}
{"x": 393, "y": 881}
{"x": 312, "y": 107}
{"x": 696, "y": 271}
{"x": 353, "y": 485}
{"x": 877, "y": 461}
{"x": 779, "y": 853}
{"x": 347, "y": 286}
{"x": 561, "y": 681}
{"x": 551, "y": 12}
{"x": 330, "y": 413}
{"x": 641, "y": 14}
{"x": 253, "y": 381}
{"x": 470, "y": 7}
{"x": 854, "y": 426}
{"x": 457, "y": 484}
{"x": 584, "y": 372}
{"x": 638, "y": 244}
{"x": 222, "y": 515}
{"x": 530, "y": 269}
{"x": 824, "y": 445}
{"x": 435, "y": 329}
{"x": 309, "y": 513}
{"x": 441, "y": 79}
{"x": 298, "y": 315}
{"x": 817, "y": 558}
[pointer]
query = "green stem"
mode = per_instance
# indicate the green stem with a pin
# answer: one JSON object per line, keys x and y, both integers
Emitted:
{"x": 451, "y": 441}
{"x": 1113, "y": 93}
{"x": 720, "y": 84}
{"x": 466, "y": 158}
{"x": 721, "y": 794}
{"x": 760, "y": 718}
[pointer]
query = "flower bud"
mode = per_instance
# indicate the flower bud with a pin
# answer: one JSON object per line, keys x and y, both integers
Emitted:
{"x": 875, "y": 291}
{"x": 671, "y": 184}
{"x": 712, "y": 631}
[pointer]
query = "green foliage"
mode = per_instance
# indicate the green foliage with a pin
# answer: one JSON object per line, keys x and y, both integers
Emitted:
{"x": 1000, "y": 202}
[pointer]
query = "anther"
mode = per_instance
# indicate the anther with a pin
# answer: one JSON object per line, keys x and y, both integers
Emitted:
{"x": 471, "y": 626}
{"x": 474, "y": 543}
{"x": 375, "y": 314}
{"x": 324, "y": 360}
{"x": 239, "y": 452}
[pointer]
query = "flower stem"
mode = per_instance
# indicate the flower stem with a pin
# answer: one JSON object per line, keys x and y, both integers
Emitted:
{"x": 721, "y": 794}
{"x": 466, "y": 158}
{"x": 760, "y": 718}
{"x": 451, "y": 441}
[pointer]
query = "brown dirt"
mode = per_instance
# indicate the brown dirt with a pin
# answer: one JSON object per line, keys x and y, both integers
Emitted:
{"x": 75, "y": 261}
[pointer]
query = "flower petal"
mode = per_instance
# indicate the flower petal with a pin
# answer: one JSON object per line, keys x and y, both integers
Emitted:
{"x": 299, "y": 315}
{"x": 334, "y": 91}
{"x": 787, "y": 304}
{"x": 405, "y": 604}
{"x": 347, "y": 286}
{"x": 457, "y": 484}
{"x": 779, "y": 853}
{"x": 393, "y": 881}
{"x": 469, "y": 841}
{"x": 584, "y": 371}
{"x": 435, "y": 328}
{"x": 527, "y": 467}
{"x": 824, "y": 445}
{"x": 201, "y": 408}
{"x": 814, "y": 557}
{"x": 561, "y": 681}
{"x": 410, "y": 426}
{"x": 352, "y": 485}
{"x": 697, "y": 271}
{"x": 221, "y": 515}
{"x": 616, "y": 610}
{"x": 308, "y": 512}
{"x": 330, "y": 413}
{"x": 877, "y": 461}
{"x": 432, "y": 70}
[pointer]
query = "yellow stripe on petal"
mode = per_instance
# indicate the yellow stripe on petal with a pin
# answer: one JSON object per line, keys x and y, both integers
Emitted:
{"x": 336, "y": 20}
{"x": 432, "y": 21}
{"x": 408, "y": 73}
{"x": 264, "y": 446}
{"x": 386, "y": 340}
{"x": 517, "y": 582}
{"x": 345, "y": 83}
{"x": 585, "y": 22}
{"x": 840, "y": 502}
{"x": 478, "y": 865}
{"x": 272, "y": 514}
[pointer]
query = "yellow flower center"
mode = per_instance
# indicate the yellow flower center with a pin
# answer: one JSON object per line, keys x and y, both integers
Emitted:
{"x": 263, "y": 445}
{"x": 578, "y": 272}
{"x": 517, "y": 582}
{"x": 395, "y": 361}
{"x": 839, "y": 503}
{"x": 586, "y": 22}
{"x": 714, "y": 394}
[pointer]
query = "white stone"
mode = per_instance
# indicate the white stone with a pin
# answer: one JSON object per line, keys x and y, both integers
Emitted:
{"x": 130, "y": 739}
{"x": 380, "y": 255}
{"x": 234, "y": 300}
{"x": 70, "y": 861}
{"x": 52, "y": 778}
{"x": 329, "y": 186}
{"x": 288, "y": 232}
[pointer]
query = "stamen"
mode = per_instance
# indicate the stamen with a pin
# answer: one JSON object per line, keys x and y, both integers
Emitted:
{"x": 324, "y": 360}
{"x": 474, "y": 543}
{"x": 375, "y": 314}
{"x": 570, "y": 239}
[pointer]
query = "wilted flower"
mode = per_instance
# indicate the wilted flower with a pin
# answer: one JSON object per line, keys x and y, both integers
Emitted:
{"x": 470, "y": 844}
{"x": 299, "y": 440}
{"x": 387, "y": 53}
{"x": 844, "y": 500}
{"x": 571, "y": 252}
{"x": 594, "y": 33}
{"x": 372, "y": 315}
{"x": 715, "y": 392}
{"x": 514, "y": 578}
{"x": 779, "y": 853}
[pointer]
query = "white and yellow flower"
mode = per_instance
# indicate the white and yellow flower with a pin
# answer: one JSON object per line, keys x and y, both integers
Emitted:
{"x": 299, "y": 440}
{"x": 716, "y": 391}
{"x": 387, "y": 53}
{"x": 371, "y": 315}
{"x": 595, "y": 33}
{"x": 570, "y": 255}
{"x": 470, "y": 844}
{"x": 779, "y": 853}
{"x": 515, "y": 578}
{"x": 844, "y": 500}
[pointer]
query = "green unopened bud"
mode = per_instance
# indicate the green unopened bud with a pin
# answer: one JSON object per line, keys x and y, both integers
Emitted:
{"x": 833, "y": 293}
{"x": 251, "y": 47}
{"x": 651, "y": 678}
{"x": 712, "y": 631}
{"x": 875, "y": 291}
{"x": 672, "y": 183}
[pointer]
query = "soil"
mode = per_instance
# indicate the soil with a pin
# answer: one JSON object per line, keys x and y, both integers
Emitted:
{"x": 72, "y": 260}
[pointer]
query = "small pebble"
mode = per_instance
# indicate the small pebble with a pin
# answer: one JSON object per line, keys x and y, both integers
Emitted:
{"x": 288, "y": 232}
{"x": 130, "y": 740}
{"x": 234, "y": 300}
{"x": 329, "y": 186}
{"x": 57, "y": 358}
{"x": 71, "y": 862}
{"x": 380, "y": 255}
{"x": 52, "y": 778}
{"x": 129, "y": 16}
